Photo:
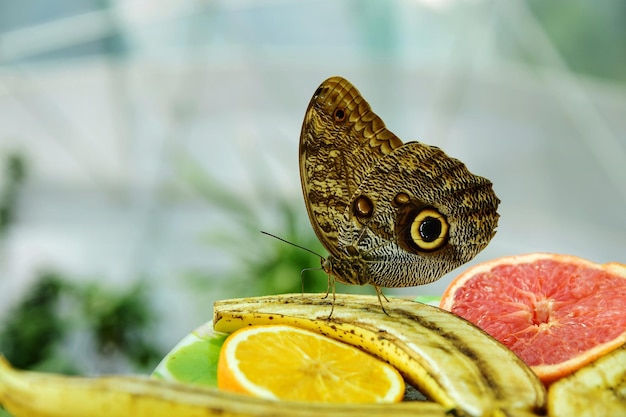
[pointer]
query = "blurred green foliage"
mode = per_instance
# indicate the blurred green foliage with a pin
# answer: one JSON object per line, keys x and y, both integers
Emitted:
{"x": 33, "y": 329}
{"x": 120, "y": 322}
{"x": 264, "y": 265}
{"x": 34, "y": 333}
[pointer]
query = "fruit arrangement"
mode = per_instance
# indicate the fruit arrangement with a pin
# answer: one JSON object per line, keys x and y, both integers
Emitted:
{"x": 276, "y": 343}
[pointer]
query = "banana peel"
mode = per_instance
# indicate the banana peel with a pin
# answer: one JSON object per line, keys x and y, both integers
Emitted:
{"x": 36, "y": 394}
{"x": 597, "y": 389}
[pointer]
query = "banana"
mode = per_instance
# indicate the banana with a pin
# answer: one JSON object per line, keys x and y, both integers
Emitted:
{"x": 446, "y": 357}
{"x": 35, "y": 394}
{"x": 598, "y": 389}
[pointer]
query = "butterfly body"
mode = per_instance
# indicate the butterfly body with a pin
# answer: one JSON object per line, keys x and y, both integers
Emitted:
{"x": 391, "y": 214}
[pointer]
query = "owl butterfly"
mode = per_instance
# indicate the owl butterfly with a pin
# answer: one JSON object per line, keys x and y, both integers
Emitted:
{"x": 390, "y": 214}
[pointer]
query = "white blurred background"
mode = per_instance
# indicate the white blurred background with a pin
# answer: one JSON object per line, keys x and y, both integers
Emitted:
{"x": 127, "y": 113}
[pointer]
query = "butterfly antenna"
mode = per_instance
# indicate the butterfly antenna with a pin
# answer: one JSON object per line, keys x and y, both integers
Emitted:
{"x": 292, "y": 244}
{"x": 331, "y": 281}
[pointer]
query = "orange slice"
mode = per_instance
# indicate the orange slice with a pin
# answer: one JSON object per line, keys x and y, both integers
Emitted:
{"x": 556, "y": 312}
{"x": 288, "y": 363}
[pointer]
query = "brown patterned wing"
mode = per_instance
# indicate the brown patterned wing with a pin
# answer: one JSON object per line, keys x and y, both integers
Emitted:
{"x": 429, "y": 214}
{"x": 341, "y": 140}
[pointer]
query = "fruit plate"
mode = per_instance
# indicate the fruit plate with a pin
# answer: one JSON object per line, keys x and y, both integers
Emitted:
{"x": 194, "y": 359}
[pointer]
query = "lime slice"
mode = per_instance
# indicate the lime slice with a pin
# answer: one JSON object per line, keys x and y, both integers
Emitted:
{"x": 194, "y": 359}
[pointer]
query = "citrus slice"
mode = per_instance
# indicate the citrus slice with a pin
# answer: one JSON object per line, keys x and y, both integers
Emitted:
{"x": 556, "y": 312}
{"x": 194, "y": 359}
{"x": 288, "y": 363}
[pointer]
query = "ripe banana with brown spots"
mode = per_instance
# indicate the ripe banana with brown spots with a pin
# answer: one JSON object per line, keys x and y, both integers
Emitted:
{"x": 36, "y": 394}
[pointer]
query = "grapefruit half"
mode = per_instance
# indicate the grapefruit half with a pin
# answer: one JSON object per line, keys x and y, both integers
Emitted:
{"x": 556, "y": 312}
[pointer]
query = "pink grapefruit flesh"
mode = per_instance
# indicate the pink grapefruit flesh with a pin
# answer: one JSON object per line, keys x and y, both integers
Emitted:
{"x": 556, "y": 312}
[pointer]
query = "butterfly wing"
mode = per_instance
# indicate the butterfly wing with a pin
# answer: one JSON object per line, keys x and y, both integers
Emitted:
{"x": 390, "y": 214}
{"x": 340, "y": 142}
{"x": 429, "y": 215}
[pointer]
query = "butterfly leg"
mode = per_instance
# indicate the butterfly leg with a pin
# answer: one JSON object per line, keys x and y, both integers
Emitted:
{"x": 302, "y": 282}
{"x": 380, "y": 295}
{"x": 331, "y": 288}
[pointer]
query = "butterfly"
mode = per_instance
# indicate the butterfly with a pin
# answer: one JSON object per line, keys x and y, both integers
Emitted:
{"x": 390, "y": 214}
